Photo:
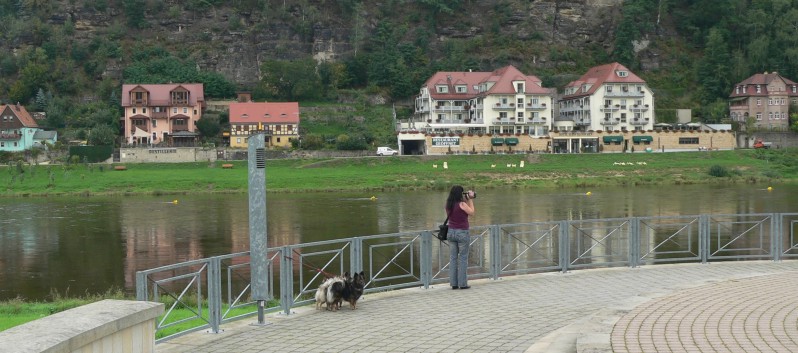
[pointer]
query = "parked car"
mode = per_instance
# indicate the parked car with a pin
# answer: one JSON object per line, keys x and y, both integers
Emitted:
{"x": 386, "y": 151}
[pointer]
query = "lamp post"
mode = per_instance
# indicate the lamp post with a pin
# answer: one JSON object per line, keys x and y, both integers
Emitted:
{"x": 258, "y": 245}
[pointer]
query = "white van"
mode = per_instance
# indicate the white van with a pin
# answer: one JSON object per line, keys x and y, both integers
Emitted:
{"x": 386, "y": 151}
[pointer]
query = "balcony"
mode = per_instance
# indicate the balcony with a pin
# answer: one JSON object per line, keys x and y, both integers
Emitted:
{"x": 639, "y": 108}
{"x": 640, "y": 121}
{"x": 449, "y": 108}
{"x": 623, "y": 94}
{"x": 573, "y": 109}
{"x": 504, "y": 121}
{"x": 541, "y": 120}
{"x": 10, "y": 136}
{"x": 611, "y": 108}
{"x": 610, "y": 121}
{"x": 530, "y": 106}
{"x": 139, "y": 102}
{"x": 582, "y": 121}
{"x": 505, "y": 106}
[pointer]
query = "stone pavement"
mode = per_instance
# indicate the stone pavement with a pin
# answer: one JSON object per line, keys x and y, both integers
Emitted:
{"x": 742, "y": 306}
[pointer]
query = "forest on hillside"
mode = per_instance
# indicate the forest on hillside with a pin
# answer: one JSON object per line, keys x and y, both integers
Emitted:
{"x": 69, "y": 58}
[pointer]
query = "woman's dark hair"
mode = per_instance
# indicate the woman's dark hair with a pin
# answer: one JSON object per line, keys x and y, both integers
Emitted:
{"x": 455, "y": 196}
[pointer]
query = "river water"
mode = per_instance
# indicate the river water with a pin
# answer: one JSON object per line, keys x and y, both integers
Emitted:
{"x": 78, "y": 245}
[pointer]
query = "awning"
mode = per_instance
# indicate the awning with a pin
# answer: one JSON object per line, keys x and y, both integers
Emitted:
{"x": 638, "y": 139}
{"x": 497, "y": 141}
{"x": 616, "y": 139}
{"x": 511, "y": 141}
{"x": 140, "y": 133}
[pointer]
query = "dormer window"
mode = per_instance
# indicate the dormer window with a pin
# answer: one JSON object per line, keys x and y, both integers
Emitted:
{"x": 794, "y": 89}
{"x": 442, "y": 89}
{"x": 622, "y": 73}
{"x": 519, "y": 87}
{"x": 244, "y": 116}
{"x": 461, "y": 89}
{"x": 758, "y": 89}
{"x": 737, "y": 91}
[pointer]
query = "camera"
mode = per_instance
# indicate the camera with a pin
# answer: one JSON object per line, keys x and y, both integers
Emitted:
{"x": 470, "y": 194}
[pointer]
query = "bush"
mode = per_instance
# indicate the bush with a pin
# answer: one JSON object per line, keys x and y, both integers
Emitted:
{"x": 718, "y": 171}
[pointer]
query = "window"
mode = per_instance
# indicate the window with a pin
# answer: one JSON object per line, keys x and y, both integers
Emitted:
{"x": 461, "y": 89}
{"x": 195, "y": 112}
{"x": 637, "y": 116}
{"x": 758, "y": 89}
{"x": 770, "y": 115}
{"x": 770, "y": 101}
{"x": 609, "y": 89}
{"x": 688, "y": 140}
{"x": 519, "y": 101}
{"x": 154, "y": 136}
{"x": 737, "y": 90}
{"x": 623, "y": 117}
{"x": 794, "y": 89}
{"x": 623, "y": 103}
{"x": 639, "y": 102}
{"x": 174, "y": 110}
{"x": 134, "y": 110}
{"x": 758, "y": 116}
{"x": 520, "y": 115}
{"x": 442, "y": 89}
{"x": 502, "y": 115}
{"x": 154, "y": 123}
{"x": 759, "y": 101}
{"x": 185, "y": 110}
{"x": 622, "y": 73}
{"x": 607, "y": 102}
{"x": 278, "y": 139}
{"x": 143, "y": 110}
{"x": 625, "y": 88}
{"x": 441, "y": 116}
{"x": 607, "y": 116}
{"x": 535, "y": 101}
{"x": 238, "y": 140}
{"x": 519, "y": 88}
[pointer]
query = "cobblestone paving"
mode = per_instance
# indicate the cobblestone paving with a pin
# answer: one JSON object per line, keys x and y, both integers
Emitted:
{"x": 513, "y": 313}
{"x": 747, "y": 315}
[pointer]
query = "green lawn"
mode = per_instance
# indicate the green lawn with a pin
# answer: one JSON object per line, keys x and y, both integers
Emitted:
{"x": 406, "y": 172}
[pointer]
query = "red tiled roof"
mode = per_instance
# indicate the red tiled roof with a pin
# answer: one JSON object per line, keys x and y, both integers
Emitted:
{"x": 160, "y": 92}
{"x": 260, "y": 112}
{"x": 599, "y": 75}
{"x": 502, "y": 83}
{"x": 20, "y": 112}
{"x": 763, "y": 79}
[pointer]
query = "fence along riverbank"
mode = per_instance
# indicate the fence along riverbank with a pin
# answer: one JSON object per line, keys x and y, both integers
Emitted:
{"x": 213, "y": 288}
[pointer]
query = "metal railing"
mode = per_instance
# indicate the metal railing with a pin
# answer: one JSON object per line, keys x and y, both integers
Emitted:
{"x": 212, "y": 289}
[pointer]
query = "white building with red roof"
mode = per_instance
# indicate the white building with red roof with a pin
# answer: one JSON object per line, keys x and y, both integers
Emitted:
{"x": 766, "y": 97}
{"x": 608, "y": 97}
{"x": 505, "y": 101}
{"x": 278, "y": 121}
{"x": 162, "y": 113}
{"x": 17, "y": 128}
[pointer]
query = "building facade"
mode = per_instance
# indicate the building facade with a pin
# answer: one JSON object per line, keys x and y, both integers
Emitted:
{"x": 608, "y": 97}
{"x": 17, "y": 128}
{"x": 278, "y": 121}
{"x": 502, "y": 101}
{"x": 764, "y": 98}
{"x": 162, "y": 113}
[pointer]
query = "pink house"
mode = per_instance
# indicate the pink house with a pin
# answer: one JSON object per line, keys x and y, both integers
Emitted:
{"x": 162, "y": 113}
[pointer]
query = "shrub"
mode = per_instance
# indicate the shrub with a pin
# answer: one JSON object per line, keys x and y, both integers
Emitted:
{"x": 718, "y": 171}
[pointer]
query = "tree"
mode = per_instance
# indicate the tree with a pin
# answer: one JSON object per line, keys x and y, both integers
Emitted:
{"x": 209, "y": 128}
{"x": 290, "y": 80}
{"x": 713, "y": 69}
{"x": 101, "y": 135}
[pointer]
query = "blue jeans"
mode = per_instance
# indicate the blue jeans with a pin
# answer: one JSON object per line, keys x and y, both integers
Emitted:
{"x": 459, "y": 240}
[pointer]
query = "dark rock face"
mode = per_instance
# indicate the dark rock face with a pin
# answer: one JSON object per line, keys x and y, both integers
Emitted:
{"x": 235, "y": 42}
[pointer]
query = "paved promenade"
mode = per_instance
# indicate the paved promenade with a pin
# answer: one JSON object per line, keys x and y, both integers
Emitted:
{"x": 744, "y": 306}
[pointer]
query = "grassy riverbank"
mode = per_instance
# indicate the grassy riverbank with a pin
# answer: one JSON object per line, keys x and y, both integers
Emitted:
{"x": 409, "y": 172}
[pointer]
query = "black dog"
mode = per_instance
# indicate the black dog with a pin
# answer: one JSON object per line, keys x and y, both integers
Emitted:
{"x": 353, "y": 288}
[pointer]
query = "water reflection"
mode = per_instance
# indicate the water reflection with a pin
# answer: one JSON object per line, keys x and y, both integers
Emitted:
{"x": 78, "y": 245}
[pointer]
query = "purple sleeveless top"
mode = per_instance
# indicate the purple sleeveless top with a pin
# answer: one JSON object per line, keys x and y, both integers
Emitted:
{"x": 458, "y": 219}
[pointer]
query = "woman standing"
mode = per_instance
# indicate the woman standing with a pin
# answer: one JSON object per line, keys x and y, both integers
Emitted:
{"x": 459, "y": 206}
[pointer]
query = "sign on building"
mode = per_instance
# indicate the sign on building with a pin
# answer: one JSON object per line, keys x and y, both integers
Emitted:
{"x": 445, "y": 141}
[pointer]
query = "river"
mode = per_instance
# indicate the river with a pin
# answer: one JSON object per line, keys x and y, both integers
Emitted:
{"x": 78, "y": 245}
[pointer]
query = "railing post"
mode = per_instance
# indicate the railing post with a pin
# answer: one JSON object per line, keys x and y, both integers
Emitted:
{"x": 215, "y": 293}
{"x": 141, "y": 286}
{"x": 356, "y": 255}
{"x": 634, "y": 242}
{"x": 426, "y": 258}
{"x": 704, "y": 233}
{"x": 286, "y": 280}
{"x": 776, "y": 236}
{"x": 565, "y": 246}
{"x": 495, "y": 252}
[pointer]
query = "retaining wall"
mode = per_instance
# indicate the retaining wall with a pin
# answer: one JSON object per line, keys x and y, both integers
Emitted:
{"x": 108, "y": 326}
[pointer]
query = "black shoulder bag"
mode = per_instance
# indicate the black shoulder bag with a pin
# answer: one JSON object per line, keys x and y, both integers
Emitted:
{"x": 443, "y": 229}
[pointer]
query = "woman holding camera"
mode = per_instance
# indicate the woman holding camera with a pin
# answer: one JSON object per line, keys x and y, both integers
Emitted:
{"x": 459, "y": 206}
